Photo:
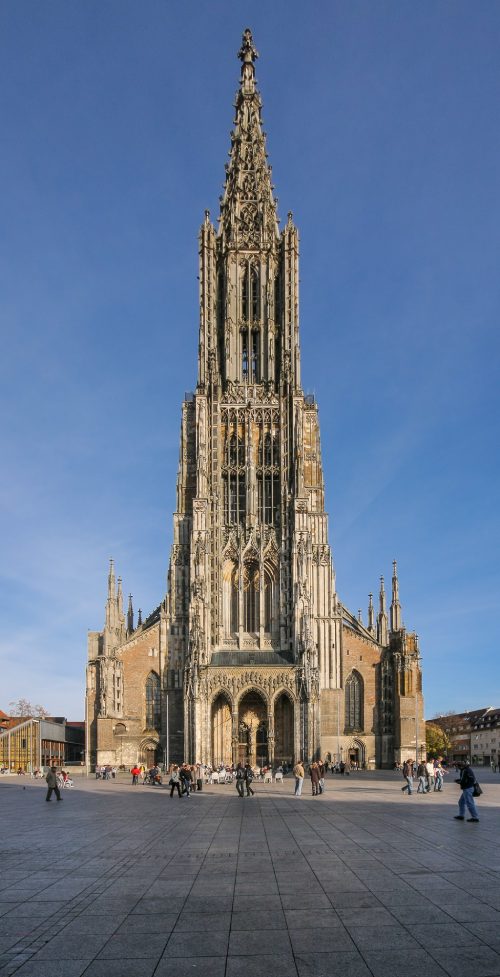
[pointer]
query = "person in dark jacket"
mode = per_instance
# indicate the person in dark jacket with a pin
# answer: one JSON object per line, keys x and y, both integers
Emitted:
{"x": 422, "y": 778}
{"x": 408, "y": 776}
{"x": 314, "y": 775}
{"x": 466, "y": 800}
{"x": 185, "y": 775}
{"x": 51, "y": 779}
{"x": 248, "y": 780}
{"x": 240, "y": 780}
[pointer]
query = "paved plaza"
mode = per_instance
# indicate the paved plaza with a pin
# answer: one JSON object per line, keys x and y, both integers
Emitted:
{"x": 122, "y": 881}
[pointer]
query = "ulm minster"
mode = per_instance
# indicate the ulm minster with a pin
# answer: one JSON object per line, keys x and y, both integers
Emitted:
{"x": 251, "y": 656}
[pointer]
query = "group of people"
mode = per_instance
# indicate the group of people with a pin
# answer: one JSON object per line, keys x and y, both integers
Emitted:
{"x": 182, "y": 779}
{"x": 105, "y": 772}
{"x": 244, "y": 779}
{"x": 317, "y": 771}
{"x": 430, "y": 775}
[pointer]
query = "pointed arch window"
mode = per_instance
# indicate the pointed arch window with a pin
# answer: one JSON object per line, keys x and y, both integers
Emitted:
{"x": 254, "y": 294}
{"x": 250, "y": 295}
{"x": 236, "y": 451}
{"x": 245, "y": 296}
{"x": 255, "y": 364}
{"x": 354, "y": 692}
{"x": 251, "y": 597}
{"x": 153, "y": 712}
{"x": 244, "y": 355}
{"x": 269, "y": 591}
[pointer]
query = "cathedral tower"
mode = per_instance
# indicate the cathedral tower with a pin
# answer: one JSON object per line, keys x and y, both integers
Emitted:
{"x": 254, "y": 617}
{"x": 256, "y": 658}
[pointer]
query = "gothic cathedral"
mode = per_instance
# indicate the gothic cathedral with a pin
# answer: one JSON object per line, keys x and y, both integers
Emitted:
{"x": 251, "y": 655}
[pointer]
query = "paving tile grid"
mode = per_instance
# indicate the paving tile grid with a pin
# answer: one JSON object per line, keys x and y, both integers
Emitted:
{"x": 124, "y": 881}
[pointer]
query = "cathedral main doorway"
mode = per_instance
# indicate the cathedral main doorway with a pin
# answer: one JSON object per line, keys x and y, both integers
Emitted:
{"x": 221, "y": 731}
{"x": 283, "y": 729}
{"x": 253, "y": 730}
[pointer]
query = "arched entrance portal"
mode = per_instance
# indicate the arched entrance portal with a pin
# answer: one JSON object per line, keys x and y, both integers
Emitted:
{"x": 221, "y": 731}
{"x": 283, "y": 729}
{"x": 149, "y": 754}
{"x": 253, "y": 730}
{"x": 357, "y": 754}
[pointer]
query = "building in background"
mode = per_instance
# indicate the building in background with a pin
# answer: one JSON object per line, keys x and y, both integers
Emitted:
{"x": 485, "y": 739}
{"x": 28, "y": 744}
{"x": 473, "y": 735}
{"x": 252, "y": 655}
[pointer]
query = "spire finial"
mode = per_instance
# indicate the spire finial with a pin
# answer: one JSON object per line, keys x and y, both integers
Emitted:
{"x": 395, "y": 605}
{"x": 247, "y": 55}
{"x": 111, "y": 579}
{"x": 371, "y": 614}
{"x": 248, "y": 52}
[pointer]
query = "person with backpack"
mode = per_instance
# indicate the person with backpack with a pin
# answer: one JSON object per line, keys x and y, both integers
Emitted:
{"x": 240, "y": 780}
{"x": 466, "y": 782}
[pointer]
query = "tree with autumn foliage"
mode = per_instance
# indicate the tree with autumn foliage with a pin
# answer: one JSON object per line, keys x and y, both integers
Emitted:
{"x": 437, "y": 740}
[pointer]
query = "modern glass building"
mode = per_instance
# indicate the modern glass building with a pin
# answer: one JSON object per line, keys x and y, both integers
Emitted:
{"x": 40, "y": 743}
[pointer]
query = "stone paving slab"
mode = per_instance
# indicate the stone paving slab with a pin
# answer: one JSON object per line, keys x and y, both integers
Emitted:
{"x": 122, "y": 881}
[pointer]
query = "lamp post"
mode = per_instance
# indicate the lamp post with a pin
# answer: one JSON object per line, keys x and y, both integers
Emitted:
{"x": 417, "y": 663}
{"x": 338, "y": 725}
{"x": 166, "y": 752}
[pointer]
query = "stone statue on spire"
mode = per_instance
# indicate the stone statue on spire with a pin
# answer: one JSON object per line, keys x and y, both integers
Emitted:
{"x": 247, "y": 55}
{"x": 248, "y": 52}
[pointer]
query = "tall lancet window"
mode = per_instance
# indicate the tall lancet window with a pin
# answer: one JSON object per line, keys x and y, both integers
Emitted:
{"x": 153, "y": 714}
{"x": 245, "y": 296}
{"x": 254, "y": 294}
{"x": 250, "y": 295}
{"x": 354, "y": 703}
{"x": 251, "y": 597}
{"x": 269, "y": 591}
{"x": 255, "y": 364}
{"x": 234, "y": 480}
{"x": 244, "y": 355}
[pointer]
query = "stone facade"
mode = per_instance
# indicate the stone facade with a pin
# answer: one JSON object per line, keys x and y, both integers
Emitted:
{"x": 251, "y": 655}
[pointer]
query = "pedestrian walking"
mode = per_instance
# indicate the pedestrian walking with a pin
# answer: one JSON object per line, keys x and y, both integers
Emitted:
{"x": 240, "y": 780}
{"x": 298, "y": 772}
{"x": 467, "y": 782}
{"x": 135, "y": 771}
{"x": 422, "y": 778}
{"x": 175, "y": 781}
{"x": 430, "y": 775}
{"x": 52, "y": 785}
{"x": 248, "y": 780}
{"x": 408, "y": 776}
{"x": 439, "y": 776}
{"x": 185, "y": 775}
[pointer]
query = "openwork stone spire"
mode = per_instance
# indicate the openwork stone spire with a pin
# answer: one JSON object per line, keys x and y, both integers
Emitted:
{"x": 248, "y": 209}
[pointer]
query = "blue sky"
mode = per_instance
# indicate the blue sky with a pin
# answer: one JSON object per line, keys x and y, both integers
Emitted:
{"x": 382, "y": 122}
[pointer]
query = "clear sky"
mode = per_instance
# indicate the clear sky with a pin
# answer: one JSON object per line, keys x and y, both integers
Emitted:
{"x": 383, "y": 133}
